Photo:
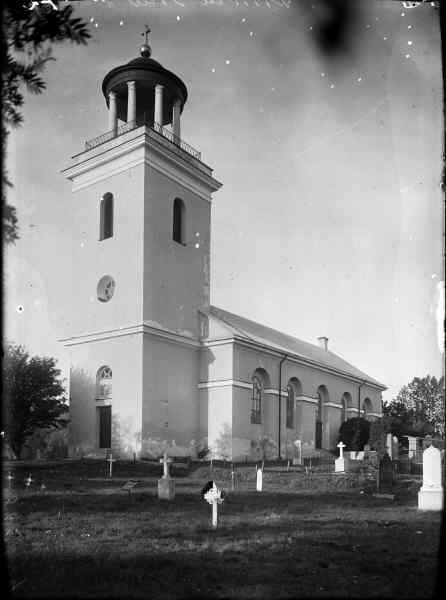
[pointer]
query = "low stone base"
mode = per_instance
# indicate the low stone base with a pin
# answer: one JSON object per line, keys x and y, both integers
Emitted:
{"x": 166, "y": 488}
{"x": 430, "y": 499}
{"x": 340, "y": 465}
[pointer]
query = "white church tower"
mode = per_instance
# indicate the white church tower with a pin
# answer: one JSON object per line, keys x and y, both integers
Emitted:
{"x": 140, "y": 268}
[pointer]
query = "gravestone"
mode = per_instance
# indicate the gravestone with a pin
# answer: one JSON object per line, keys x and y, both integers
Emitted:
{"x": 340, "y": 462}
{"x": 430, "y": 496}
{"x": 389, "y": 445}
{"x": 129, "y": 485}
{"x": 385, "y": 475}
{"x": 259, "y": 480}
{"x": 297, "y": 459}
{"x": 356, "y": 455}
{"x": 166, "y": 485}
{"x": 395, "y": 448}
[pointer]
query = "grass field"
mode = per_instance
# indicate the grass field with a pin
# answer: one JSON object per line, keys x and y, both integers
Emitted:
{"x": 84, "y": 536}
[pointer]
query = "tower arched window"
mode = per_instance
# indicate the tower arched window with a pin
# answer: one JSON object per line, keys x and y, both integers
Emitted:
{"x": 256, "y": 405}
{"x": 290, "y": 407}
{"x": 178, "y": 221}
{"x": 104, "y": 384}
{"x": 106, "y": 217}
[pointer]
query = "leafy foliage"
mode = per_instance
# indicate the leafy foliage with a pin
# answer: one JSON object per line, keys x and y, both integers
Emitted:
{"x": 223, "y": 445}
{"x": 26, "y": 50}
{"x": 265, "y": 447}
{"x": 418, "y": 408}
{"x": 33, "y": 396}
{"x": 355, "y": 433}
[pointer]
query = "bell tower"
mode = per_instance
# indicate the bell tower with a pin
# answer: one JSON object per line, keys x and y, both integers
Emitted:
{"x": 141, "y": 205}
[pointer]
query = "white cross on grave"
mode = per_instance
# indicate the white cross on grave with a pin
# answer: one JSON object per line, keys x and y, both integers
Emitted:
{"x": 166, "y": 462}
{"x": 340, "y": 462}
{"x": 28, "y": 480}
{"x": 111, "y": 460}
{"x": 10, "y": 478}
{"x": 215, "y": 497}
{"x": 341, "y": 447}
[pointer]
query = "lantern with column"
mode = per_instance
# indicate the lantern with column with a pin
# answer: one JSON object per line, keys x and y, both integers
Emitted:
{"x": 143, "y": 92}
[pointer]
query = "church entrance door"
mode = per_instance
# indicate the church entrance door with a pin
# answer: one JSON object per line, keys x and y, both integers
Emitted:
{"x": 104, "y": 426}
{"x": 318, "y": 443}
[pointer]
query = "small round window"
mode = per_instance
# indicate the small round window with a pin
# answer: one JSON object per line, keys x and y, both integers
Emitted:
{"x": 106, "y": 288}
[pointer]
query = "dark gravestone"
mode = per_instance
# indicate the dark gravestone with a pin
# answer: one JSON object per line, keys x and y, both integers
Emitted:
{"x": 385, "y": 475}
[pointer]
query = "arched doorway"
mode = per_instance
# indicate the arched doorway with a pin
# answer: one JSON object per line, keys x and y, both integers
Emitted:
{"x": 104, "y": 399}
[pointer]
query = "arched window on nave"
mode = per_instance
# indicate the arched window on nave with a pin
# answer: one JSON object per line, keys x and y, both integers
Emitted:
{"x": 366, "y": 407}
{"x": 257, "y": 397}
{"x": 290, "y": 407}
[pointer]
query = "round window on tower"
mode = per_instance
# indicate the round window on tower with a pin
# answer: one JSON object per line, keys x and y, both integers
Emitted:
{"x": 106, "y": 288}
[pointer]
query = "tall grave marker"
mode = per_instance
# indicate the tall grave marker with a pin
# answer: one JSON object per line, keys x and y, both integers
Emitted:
{"x": 385, "y": 476}
{"x": 166, "y": 485}
{"x": 430, "y": 496}
{"x": 340, "y": 462}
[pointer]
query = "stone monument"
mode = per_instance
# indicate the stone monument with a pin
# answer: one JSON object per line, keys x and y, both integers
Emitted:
{"x": 166, "y": 485}
{"x": 259, "y": 480}
{"x": 297, "y": 459}
{"x": 430, "y": 496}
{"x": 340, "y": 462}
{"x": 385, "y": 476}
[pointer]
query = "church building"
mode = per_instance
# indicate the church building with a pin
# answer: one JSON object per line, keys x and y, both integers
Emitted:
{"x": 151, "y": 359}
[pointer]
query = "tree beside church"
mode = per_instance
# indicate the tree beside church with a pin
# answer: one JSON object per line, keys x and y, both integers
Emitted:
{"x": 33, "y": 396}
{"x": 418, "y": 408}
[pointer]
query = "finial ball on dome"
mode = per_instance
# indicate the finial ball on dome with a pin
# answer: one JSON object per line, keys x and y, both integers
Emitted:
{"x": 146, "y": 51}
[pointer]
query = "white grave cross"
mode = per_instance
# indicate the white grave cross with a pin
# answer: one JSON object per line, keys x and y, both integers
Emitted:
{"x": 111, "y": 460}
{"x": 214, "y": 497}
{"x": 340, "y": 462}
{"x": 341, "y": 447}
{"x": 166, "y": 462}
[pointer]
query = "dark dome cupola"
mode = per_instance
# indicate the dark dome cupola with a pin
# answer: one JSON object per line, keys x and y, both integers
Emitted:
{"x": 143, "y": 92}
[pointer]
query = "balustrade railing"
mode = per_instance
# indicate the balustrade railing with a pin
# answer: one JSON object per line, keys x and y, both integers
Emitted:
{"x": 163, "y": 131}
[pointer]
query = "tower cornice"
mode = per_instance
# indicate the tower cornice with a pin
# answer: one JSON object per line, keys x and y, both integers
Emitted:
{"x": 138, "y": 146}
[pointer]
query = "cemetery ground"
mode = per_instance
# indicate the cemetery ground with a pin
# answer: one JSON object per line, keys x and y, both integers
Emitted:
{"x": 83, "y": 535}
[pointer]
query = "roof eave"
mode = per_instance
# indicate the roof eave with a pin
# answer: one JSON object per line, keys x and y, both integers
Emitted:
{"x": 296, "y": 358}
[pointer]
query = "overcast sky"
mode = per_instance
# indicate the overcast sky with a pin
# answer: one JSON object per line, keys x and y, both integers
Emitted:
{"x": 329, "y": 221}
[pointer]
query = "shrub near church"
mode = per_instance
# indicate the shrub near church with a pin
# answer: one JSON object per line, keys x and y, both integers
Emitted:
{"x": 33, "y": 396}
